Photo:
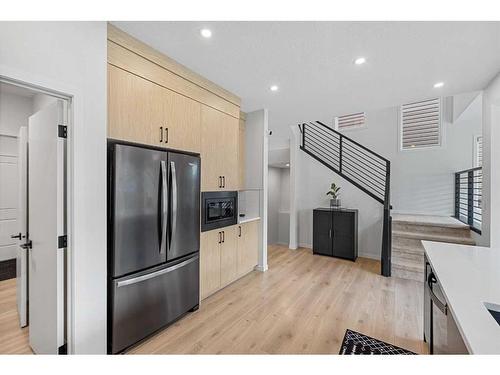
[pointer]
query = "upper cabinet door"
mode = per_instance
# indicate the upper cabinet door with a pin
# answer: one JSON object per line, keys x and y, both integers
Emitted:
{"x": 229, "y": 153}
{"x": 241, "y": 154}
{"x": 181, "y": 122}
{"x": 134, "y": 108}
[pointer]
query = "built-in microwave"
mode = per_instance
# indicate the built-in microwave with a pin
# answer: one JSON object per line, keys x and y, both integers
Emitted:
{"x": 219, "y": 209}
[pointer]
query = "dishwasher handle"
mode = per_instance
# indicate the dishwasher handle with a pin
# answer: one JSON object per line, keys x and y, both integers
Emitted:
{"x": 431, "y": 279}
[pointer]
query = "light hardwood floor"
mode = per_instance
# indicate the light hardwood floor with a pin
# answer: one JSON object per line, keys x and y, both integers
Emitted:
{"x": 302, "y": 304}
{"x": 13, "y": 339}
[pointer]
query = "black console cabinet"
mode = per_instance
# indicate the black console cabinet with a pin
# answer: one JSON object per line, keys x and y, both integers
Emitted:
{"x": 335, "y": 232}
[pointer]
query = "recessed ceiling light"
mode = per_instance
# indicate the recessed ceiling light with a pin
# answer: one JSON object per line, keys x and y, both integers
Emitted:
{"x": 206, "y": 33}
{"x": 273, "y": 88}
{"x": 438, "y": 85}
{"x": 359, "y": 61}
{"x": 287, "y": 164}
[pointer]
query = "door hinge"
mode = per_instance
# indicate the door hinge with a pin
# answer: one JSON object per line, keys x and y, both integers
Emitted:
{"x": 62, "y": 131}
{"x": 63, "y": 349}
{"x": 62, "y": 242}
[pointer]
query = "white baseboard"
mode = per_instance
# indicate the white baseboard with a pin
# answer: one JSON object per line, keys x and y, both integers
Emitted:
{"x": 263, "y": 268}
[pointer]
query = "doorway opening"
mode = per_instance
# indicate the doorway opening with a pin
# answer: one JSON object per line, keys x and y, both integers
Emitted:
{"x": 278, "y": 206}
{"x": 33, "y": 219}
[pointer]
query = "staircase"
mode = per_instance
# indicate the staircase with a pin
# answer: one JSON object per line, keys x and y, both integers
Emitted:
{"x": 359, "y": 165}
{"x": 408, "y": 231}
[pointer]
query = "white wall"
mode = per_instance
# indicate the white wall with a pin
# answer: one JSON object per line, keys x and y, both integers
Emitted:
{"x": 14, "y": 113}
{"x": 491, "y": 164}
{"x": 278, "y": 205}
{"x": 422, "y": 181}
{"x": 70, "y": 57}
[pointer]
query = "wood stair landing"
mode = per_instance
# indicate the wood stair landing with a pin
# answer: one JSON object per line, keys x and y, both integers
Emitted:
{"x": 408, "y": 231}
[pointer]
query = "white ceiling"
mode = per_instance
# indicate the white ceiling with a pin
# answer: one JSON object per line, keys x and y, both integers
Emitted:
{"x": 312, "y": 62}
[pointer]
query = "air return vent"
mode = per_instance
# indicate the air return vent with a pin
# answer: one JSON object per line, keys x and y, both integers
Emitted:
{"x": 352, "y": 121}
{"x": 421, "y": 124}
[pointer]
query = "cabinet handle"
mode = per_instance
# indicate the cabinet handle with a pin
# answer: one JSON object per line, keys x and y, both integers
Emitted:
{"x": 223, "y": 236}
{"x": 220, "y": 237}
{"x": 223, "y": 181}
{"x": 161, "y": 134}
{"x": 239, "y": 227}
{"x": 166, "y": 134}
{"x": 220, "y": 182}
{"x": 330, "y": 233}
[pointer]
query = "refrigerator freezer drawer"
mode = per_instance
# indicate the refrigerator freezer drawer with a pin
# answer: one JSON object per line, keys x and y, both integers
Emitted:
{"x": 145, "y": 302}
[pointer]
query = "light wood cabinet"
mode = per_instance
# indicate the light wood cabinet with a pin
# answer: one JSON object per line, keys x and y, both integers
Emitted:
{"x": 248, "y": 242}
{"x": 219, "y": 150}
{"x": 241, "y": 153}
{"x": 134, "y": 108}
{"x": 229, "y": 256}
{"x": 209, "y": 263}
{"x": 144, "y": 112}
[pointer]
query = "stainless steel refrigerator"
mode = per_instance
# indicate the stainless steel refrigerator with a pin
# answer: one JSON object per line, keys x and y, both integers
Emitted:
{"x": 153, "y": 240}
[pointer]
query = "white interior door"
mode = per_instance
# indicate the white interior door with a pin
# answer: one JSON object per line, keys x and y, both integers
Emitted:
{"x": 46, "y": 222}
{"x": 22, "y": 224}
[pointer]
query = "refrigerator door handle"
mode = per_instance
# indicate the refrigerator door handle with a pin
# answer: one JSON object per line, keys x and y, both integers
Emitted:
{"x": 164, "y": 208}
{"x": 148, "y": 276}
{"x": 174, "y": 202}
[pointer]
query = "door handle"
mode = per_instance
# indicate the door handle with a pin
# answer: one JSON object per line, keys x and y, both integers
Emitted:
{"x": 161, "y": 134}
{"x": 166, "y": 134}
{"x": 164, "y": 208}
{"x": 173, "y": 225}
{"x": 439, "y": 304}
{"x": 27, "y": 245}
{"x": 18, "y": 236}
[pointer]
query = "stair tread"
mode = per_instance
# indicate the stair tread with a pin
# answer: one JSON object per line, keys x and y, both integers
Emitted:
{"x": 428, "y": 220}
{"x": 433, "y": 237}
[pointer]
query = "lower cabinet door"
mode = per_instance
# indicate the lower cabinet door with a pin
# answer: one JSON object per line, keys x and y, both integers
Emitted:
{"x": 322, "y": 232}
{"x": 248, "y": 241}
{"x": 228, "y": 255}
{"x": 210, "y": 262}
{"x": 146, "y": 301}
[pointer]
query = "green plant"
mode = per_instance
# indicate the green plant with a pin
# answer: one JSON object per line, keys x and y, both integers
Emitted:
{"x": 334, "y": 191}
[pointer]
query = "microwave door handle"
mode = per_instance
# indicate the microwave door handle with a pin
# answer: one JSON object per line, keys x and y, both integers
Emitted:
{"x": 164, "y": 209}
{"x": 173, "y": 225}
{"x": 439, "y": 304}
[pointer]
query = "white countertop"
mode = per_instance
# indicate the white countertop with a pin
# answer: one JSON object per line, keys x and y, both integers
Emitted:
{"x": 243, "y": 220}
{"x": 469, "y": 276}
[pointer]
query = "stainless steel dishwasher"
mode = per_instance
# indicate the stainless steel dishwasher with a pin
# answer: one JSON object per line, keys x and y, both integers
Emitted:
{"x": 440, "y": 330}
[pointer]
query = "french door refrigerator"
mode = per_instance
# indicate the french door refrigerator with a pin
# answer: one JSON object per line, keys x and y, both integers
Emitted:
{"x": 153, "y": 240}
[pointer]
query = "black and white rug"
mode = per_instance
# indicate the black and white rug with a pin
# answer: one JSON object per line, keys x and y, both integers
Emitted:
{"x": 357, "y": 343}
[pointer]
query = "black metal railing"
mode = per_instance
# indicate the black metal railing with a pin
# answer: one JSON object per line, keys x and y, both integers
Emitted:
{"x": 469, "y": 197}
{"x": 362, "y": 167}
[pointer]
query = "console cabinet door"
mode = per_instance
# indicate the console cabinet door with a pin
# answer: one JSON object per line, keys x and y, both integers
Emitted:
{"x": 248, "y": 242}
{"x": 322, "y": 232}
{"x": 134, "y": 108}
{"x": 209, "y": 263}
{"x": 228, "y": 255}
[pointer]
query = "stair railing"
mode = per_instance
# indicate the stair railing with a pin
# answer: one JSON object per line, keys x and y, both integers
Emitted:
{"x": 362, "y": 167}
{"x": 469, "y": 197}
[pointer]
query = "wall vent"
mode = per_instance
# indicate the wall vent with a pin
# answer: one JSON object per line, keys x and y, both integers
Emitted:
{"x": 421, "y": 124}
{"x": 352, "y": 121}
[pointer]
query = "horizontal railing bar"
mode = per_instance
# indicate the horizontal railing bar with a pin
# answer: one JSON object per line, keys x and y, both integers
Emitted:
{"x": 324, "y": 154}
{"x": 347, "y": 178}
{"x": 369, "y": 158}
{"x": 469, "y": 170}
{"x": 364, "y": 180}
{"x": 378, "y": 179}
{"x": 320, "y": 129}
{"x": 351, "y": 154}
{"x": 356, "y": 143}
{"x": 333, "y": 142}
{"x": 334, "y": 149}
